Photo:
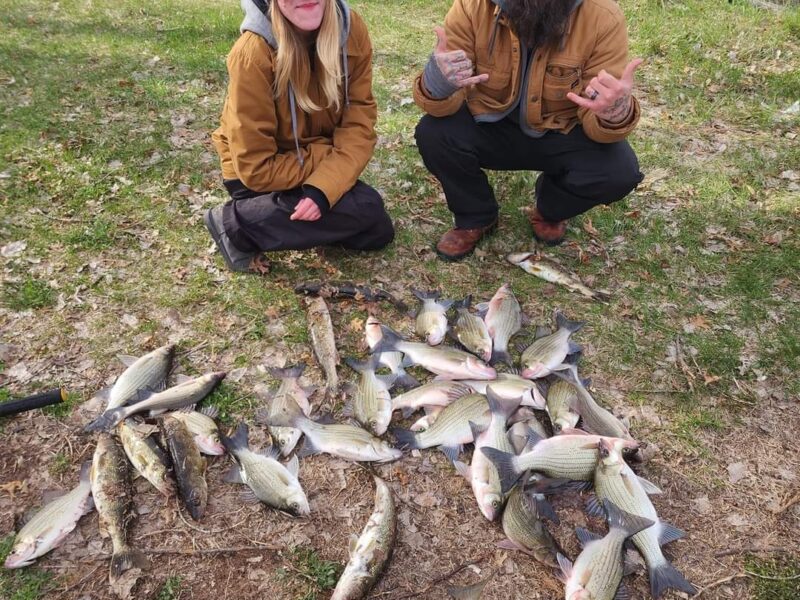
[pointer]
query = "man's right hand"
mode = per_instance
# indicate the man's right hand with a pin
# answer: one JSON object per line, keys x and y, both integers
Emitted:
{"x": 455, "y": 65}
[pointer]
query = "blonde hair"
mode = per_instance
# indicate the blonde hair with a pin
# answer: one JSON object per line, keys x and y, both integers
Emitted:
{"x": 292, "y": 65}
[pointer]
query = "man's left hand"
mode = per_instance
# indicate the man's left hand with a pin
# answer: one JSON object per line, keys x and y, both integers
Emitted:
{"x": 306, "y": 210}
{"x": 608, "y": 97}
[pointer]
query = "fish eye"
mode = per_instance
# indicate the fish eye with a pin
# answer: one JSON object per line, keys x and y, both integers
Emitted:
{"x": 558, "y": 427}
{"x": 294, "y": 506}
{"x": 495, "y": 503}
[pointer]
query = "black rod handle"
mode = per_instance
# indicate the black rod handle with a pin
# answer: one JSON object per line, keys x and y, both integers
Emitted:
{"x": 47, "y": 398}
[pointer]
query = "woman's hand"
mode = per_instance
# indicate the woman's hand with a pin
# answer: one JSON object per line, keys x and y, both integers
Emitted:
{"x": 608, "y": 97}
{"x": 306, "y": 210}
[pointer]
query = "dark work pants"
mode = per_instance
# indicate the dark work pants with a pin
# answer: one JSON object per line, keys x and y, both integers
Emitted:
{"x": 576, "y": 172}
{"x": 260, "y": 222}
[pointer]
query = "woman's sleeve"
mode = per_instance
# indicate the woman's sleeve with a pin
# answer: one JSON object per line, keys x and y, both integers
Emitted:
{"x": 354, "y": 138}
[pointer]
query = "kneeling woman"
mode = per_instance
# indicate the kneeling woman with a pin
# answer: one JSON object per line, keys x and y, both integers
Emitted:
{"x": 297, "y": 130}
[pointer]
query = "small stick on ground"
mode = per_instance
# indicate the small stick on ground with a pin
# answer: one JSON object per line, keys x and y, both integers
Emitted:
{"x": 719, "y": 582}
{"x": 444, "y": 577}
{"x": 753, "y": 549}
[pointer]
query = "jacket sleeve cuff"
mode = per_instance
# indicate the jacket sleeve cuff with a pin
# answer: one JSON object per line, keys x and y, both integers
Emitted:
{"x": 435, "y": 82}
{"x": 319, "y": 198}
{"x": 629, "y": 119}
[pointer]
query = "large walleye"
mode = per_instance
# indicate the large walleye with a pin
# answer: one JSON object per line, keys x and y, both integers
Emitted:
{"x": 202, "y": 426}
{"x": 290, "y": 398}
{"x": 148, "y": 372}
{"x": 145, "y": 455}
{"x": 431, "y": 324}
{"x": 503, "y": 319}
{"x": 338, "y": 439}
{"x": 547, "y": 354}
{"x": 436, "y": 393}
{"x": 113, "y": 496}
{"x": 369, "y": 555}
{"x": 272, "y": 483}
{"x": 481, "y": 473}
{"x": 471, "y": 331}
{"x": 51, "y": 524}
{"x": 597, "y": 572}
{"x": 571, "y": 455}
{"x": 615, "y": 481}
{"x": 511, "y": 387}
{"x": 550, "y": 271}
{"x": 451, "y": 429}
{"x": 178, "y": 396}
{"x": 392, "y": 360}
{"x": 446, "y": 362}
{"x": 324, "y": 343}
{"x": 188, "y": 465}
{"x": 371, "y": 404}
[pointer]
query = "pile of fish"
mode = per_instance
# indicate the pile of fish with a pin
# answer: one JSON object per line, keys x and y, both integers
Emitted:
{"x": 521, "y": 416}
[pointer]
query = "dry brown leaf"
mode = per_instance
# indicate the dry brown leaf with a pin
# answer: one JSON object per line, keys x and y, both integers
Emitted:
{"x": 589, "y": 228}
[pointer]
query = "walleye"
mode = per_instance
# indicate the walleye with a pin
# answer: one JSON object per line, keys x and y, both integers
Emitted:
{"x": 561, "y": 397}
{"x": 188, "y": 464}
{"x": 324, "y": 343}
{"x": 524, "y": 528}
{"x": 511, "y": 387}
{"x": 482, "y": 474}
{"x": 446, "y": 362}
{"x": 571, "y": 455}
{"x": 51, "y": 524}
{"x": 471, "y": 332}
{"x": 503, "y": 320}
{"x": 145, "y": 455}
{"x": 431, "y": 317}
{"x": 451, "y": 429}
{"x": 178, "y": 396}
{"x": 371, "y": 404}
{"x": 338, "y": 439}
{"x": 148, "y": 372}
{"x": 550, "y": 271}
{"x": 436, "y": 393}
{"x": 392, "y": 360}
{"x": 290, "y": 398}
{"x": 615, "y": 481}
{"x": 272, "y": 483}
{"x": 370, "y": 554}
{"x": 547, "y": 354}
{"x": 202, "y": 426}
{"x": 597, "y": 572}
{"x": 113, "y": 496}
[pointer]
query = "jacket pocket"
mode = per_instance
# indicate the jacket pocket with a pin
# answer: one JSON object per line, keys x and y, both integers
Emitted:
{"x": 496, "y": 91}
{"x": 560, "y": 78}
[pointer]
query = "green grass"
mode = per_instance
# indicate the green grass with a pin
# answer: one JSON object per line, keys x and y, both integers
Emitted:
{"x": 232, "y": 403}
{"x": 314, "y": 574}
{"x": 171, "y": 590}
{"x": 776, "y": 579}
{"x": 28, "y": 583}
{"x": 30, "y": 294}
{"x": 60, "y": 464}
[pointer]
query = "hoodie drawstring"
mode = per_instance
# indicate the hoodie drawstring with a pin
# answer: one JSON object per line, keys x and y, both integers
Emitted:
{"x": 293, "y": 110}
{"x": 346, "y": 76}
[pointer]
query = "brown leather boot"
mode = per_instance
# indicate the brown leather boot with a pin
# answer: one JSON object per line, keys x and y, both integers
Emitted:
{"x": 458, "y": 243}
{"x": 550, "y": 232}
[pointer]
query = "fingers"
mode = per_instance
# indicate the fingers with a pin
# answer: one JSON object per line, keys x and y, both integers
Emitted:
{"x": 473, "y": 80}
{"x": 441, "y": 40}
{"x": 580, "y": 101}
{"x": 306, "y": 210}
{"x": 630, "y": 69}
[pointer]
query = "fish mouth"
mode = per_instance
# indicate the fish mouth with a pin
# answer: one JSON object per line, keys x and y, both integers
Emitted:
{"x": 16, "y": 561}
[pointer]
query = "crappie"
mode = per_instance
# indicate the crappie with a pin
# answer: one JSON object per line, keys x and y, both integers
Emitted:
{"x": 432, "y": 317}
{"x": 145, "y": 455}
{"x": 511, "y": 387}
{"x": 369, "y": 555}
{"x": 323, "y": 341}
{"x": 148, "y": 372}
{"x": 189, "y": 466}
{"x": 290, "y": 398}
{"x": 550, "y": 271}
{"x": 113, "y": 496}
{"x": 503, "y": 320}
{"x": 436, "y": 393}
{"x": 272, "y": 483}
{"x": 392, "y": 360}
{"x": 202, "y": 426}
{"x": 471, "y": 331}
{"x": 371, "y": 404}
{"x": 547, "y": 354}
{"x": 49, "y": 527}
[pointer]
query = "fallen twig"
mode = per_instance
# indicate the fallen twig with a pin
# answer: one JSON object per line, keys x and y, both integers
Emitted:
{"x": 719, "y": 582}
{"x": 81, "y": 582}
{"x": 444, "y": 577}
{"x": 788, "y": 504}
{"x": 749, "y": 549}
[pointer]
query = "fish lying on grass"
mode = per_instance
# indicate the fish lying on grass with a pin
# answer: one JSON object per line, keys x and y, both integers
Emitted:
{"x": 571, "y": 455}
{"x": 547, "y": 354}
{"x": 373, "y": 549}
{"x": 446, "y": 362}
{"x": 178, "y": 396}
{"x": 290, "y": 398}
{"x": 451, "y": 429}
{"x": 561, "y": 397}
{"x": 503, "y": 320}
{"x": 431, "y": 323}
{"x": 148, "y": 372}
{"x": 338, "y": 439}
{"x": 202, "y": 426}
{"x": 550, "y": 271}
{"x": 51, "y": 524}
{"x": 481, "y": 473}
{"x": 189, "y": 466}
{"x": 392, "y": 360}
{"x": 469, "y": 592}
{"x": 271, "y": 482}
{"x": 323, "y": 341}
{"x": 348, "y": 289}
{"x": 471, "y": 331}
{"x": 371, "y": 404}
{"x": 113, "y": 496}
{"x": 436, "y": 393}
{"x": 597, "y": 572}
{"x": 511, "y": 387}
{"x": 145, "y": 455}
{"x": 615, "y": 481}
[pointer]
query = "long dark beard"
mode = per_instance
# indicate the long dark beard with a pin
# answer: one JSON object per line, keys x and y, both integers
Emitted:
{"x": 539, "y": 23}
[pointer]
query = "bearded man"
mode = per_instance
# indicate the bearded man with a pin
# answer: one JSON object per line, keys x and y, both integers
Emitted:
{"x": 519, "y": 85}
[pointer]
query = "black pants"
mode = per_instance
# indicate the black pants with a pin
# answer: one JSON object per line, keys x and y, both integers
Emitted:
{"x": 576, "y": 172}
{"x": 260, "y": 222}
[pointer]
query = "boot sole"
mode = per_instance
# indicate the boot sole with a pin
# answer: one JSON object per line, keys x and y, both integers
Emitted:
{"x": 457, "y": 257}
{"x": 217, "y": 237}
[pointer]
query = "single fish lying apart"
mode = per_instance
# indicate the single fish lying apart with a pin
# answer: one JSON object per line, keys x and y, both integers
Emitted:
{"x": 348, "y": 289}
{"x": 392, "y": 360}
{"x": 503, "y": 319}
{"x": 371, "y": 403}
{"x": 189, "y": 466}
{"x": 431, "y": 324}
{"x": 51, "y": 524}
{"x": 546, "y": 354}
{"x": 323, "y": 341}
{"x": 549, "y": 271}
{"x": 373, "y": 549}
{"x": 145, "y": 455}
{"x": 471, "y": 331}
{"x": 148, "y": 372}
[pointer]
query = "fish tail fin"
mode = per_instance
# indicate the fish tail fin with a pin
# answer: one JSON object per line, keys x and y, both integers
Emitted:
{"x": 500, "y": 356}
{"x": 125, "y": 559}
{"x": 465, "y": 303}
{"x": 405, "y": 438}
{"x": 499, "y": 405}
{"x": 107, "y": 420}
{"x": 388, "y": 342}
{"x": 571, "y": 326}
{"x": 281, "y": 418}
{"x": 665, "y": 576}
{"x": 631, "y": 524}
{"x": 238, "y": 440}
{"x": 292, "y": 372}
{"x": 432, "y": 295}
{"x": 405, "y": 380}
{"x": 359, "y": 365}
{"x": 504, "y": 463}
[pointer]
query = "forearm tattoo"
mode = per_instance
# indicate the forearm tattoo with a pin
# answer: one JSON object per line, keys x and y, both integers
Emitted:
{"x": 619, "y": 111}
